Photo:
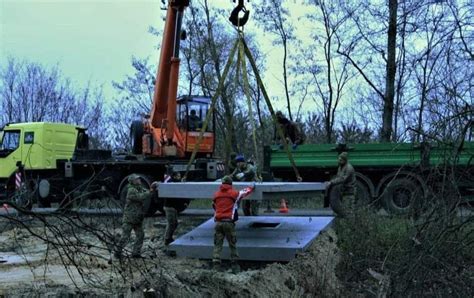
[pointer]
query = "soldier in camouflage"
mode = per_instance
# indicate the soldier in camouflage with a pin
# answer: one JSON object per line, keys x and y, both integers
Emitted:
{"x": 171, "y": 207}
{"x": 133, "y": 216}
{"x": 346, "y": 178}
{"x": 246, "y": 172}
{"x": 291, "y": 130}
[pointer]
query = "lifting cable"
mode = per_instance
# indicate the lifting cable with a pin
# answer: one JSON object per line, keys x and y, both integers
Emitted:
{"x": 270, "y": 108}
{"x": 246, "y": 87}
{"x": 220, "y": 86}
{"x": 243, "y": 51}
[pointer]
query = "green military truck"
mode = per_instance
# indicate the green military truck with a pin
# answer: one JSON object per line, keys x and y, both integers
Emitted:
{"x": 396, "y": 175}
{"x": 55, "y": 164}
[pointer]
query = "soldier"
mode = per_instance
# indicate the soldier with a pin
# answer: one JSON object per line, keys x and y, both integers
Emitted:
{"x": 232, "y": 162}
{"x": 246, "y": 172}
{"x": 225, "y": 205}
{"x": 194, "y": 121}
{"x": 346, "y": 178}
{"x": 170, "y": 206}
{"x": 291, "y": 131}
{"x": 133, "y": 215}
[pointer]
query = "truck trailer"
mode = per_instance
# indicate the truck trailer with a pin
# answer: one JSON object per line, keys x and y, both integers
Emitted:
{"x": 398, "y": 176}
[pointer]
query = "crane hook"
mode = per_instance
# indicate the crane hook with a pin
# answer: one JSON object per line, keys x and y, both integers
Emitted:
{"x": 234, "y": 16}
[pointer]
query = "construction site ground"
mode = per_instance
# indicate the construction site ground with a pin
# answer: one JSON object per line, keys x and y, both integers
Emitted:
{"x": 50, "y": 254}
{"x": 31, "y": 262}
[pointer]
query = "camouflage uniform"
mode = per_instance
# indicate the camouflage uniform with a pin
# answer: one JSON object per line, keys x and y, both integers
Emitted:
{"x": 225, "y": 229}
{"x": 171, "y": 223}
{"x": 250, "y": 207}
{"x": 225, "y": 215}
{"x": 291, "y": 130}
{"x": 346, "y": 178}
{"x": 133, "y": 218}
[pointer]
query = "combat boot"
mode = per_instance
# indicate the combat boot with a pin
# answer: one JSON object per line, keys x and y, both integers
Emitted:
{"x": 235, "y": 268}
{"x": 217, "y": 266}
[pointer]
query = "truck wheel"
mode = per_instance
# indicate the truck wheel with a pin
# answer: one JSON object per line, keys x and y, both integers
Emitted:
{"x": 23, "y": 199}
{"x": 401, "y": 196}
{"x": 136, "y": 136}
{"x": 335, "y": 201}
{"x": 362, "y": 195}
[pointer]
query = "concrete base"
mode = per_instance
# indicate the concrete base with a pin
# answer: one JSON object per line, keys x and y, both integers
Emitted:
{"x": 259, "y": 238}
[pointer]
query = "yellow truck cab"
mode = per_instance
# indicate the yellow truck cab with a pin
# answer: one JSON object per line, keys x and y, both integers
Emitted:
{"x": 34, "y": 147}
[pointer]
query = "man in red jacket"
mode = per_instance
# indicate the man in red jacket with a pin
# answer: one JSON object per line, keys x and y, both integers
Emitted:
{"x": 225, "y": 206}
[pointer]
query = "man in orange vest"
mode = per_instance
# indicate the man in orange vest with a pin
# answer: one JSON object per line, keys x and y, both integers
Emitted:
{"x": 225, "y": 204}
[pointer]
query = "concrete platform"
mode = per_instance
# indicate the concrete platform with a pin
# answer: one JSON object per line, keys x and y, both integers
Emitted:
{"x": 259, "y": 238}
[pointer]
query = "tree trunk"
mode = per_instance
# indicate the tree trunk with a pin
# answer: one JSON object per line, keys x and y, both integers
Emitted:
{"x": 387, "y": 116}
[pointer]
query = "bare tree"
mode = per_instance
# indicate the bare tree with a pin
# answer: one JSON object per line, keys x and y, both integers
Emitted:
{"x": 276, "y": 20}
{"x": 31, "y": 92}
{"x": 387, "y": 115}
{"x": 330, "y": 77}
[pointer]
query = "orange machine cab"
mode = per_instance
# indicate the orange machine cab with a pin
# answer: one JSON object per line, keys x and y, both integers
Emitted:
{"x": 191, "y": 113}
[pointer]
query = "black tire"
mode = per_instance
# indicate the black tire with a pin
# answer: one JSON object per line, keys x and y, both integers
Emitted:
{"x": 335, "y": 200}
{"x": 401, "y": 196}
{"x": 23, "y": 199}
{"x": 136, "y": 137}
{"x": 362, "y": 195}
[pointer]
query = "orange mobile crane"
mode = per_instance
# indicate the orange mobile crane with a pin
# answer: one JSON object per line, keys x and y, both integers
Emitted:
{"x": 167, "y": 132}
{"x": 162, "y": 142}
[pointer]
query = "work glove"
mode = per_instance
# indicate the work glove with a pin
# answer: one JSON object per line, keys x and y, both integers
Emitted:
{"x": 240, "y": 176}
{"x": 154, "y": 185}
{"x": 328, "y": 184}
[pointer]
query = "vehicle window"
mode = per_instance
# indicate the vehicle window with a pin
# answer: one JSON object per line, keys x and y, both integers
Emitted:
{"x": 10, "y": 140}
{"x": 29, "y": 137}
{"x": 182, "y": 116}
{"x": 197, "y": 116}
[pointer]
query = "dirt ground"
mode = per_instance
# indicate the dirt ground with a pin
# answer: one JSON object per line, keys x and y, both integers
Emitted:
{"x": 68, "y": 255}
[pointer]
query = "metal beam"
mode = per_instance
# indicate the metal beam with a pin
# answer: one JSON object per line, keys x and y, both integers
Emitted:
{"x": 263, "y": 190}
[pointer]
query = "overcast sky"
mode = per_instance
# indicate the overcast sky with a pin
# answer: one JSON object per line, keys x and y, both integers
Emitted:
{"x": 90, "y": 40}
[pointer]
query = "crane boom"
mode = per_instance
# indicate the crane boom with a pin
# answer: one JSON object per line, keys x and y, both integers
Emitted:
{"x": 172, "y": 129}
{"x": 163, "y": 112}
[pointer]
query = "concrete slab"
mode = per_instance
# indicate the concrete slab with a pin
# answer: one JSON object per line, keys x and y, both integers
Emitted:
{"x": 263, "y": 190}
{"x": 259, "y": 238}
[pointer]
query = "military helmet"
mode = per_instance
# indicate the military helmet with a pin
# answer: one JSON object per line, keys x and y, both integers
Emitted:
{"x": 133, "y": 177}
{"x": 343, "y": 156}
{"x": 227, "y": 180}
{"x": 239, "y": 158}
